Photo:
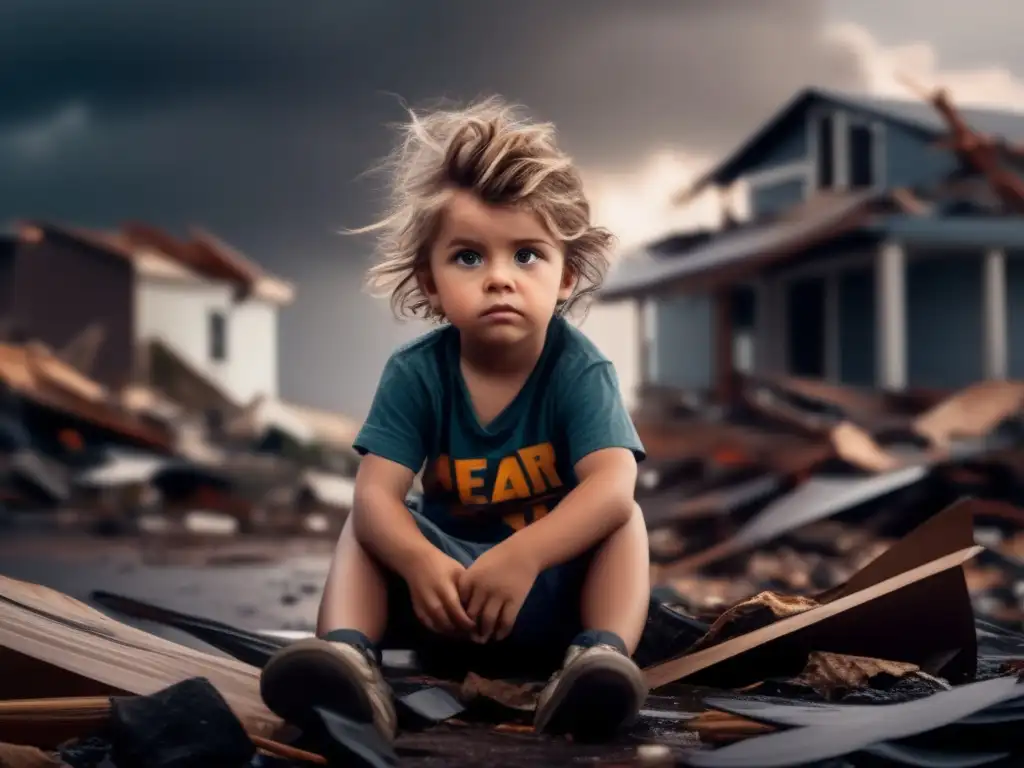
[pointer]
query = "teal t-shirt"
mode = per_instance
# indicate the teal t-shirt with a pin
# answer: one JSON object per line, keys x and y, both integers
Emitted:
{"x": 482, "y": 483}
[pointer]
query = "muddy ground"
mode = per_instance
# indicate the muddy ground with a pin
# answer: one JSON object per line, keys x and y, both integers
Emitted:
{"x": 250, "y": 583}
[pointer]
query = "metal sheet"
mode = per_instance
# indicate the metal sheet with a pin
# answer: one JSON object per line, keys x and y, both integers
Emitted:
{"x": 857, "y": 731}
{"x": 821, "y": 497}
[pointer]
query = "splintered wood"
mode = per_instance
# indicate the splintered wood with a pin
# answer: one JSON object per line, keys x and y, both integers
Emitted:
{"x": 79, "y": 649}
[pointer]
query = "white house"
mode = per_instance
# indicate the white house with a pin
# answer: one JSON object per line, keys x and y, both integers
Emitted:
{"x": 233, "y": 342}
{"x": 208, "y": 303}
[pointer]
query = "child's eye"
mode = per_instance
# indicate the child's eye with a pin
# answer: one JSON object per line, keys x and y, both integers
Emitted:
{"x": 526, "y": 256}
{"x": 467, "y": 258}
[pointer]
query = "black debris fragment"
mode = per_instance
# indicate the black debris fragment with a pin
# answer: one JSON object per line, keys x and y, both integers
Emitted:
{"x": 188, "y": 725}
{"x": 347, "y": 743}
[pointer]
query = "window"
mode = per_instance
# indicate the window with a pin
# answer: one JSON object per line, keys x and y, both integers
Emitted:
{"x": 218, "y": 336}
{"x": 861, "y": 156}
{"x": 826, "y": 153}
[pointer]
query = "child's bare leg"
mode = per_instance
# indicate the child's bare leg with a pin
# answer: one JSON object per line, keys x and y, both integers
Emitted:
{"x": 341, "y": 670}
{"x": 617, "y": 591}
{"x": 355, "y": 594}
{"x": 599, "y": 689}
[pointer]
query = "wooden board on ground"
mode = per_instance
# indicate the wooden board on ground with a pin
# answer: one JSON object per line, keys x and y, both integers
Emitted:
{"x": 52, "y": 645}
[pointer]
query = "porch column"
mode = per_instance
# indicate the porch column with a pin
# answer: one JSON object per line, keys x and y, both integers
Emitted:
{"x": 891, "y": 300}
{"x": 832, "y": 351}
{"x": 647, "y": 327}
{"x": 993, "y": 307}
{"x": 840, "y": 150}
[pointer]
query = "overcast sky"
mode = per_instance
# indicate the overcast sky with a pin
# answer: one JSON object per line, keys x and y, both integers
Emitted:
{"x": 256, "y": 119}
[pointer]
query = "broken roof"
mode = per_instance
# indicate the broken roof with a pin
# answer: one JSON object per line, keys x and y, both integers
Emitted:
{"x": 157, "y": 255}
{"x": 741, "y": 250}
{"x": 34, "y": 372}
{"x": 331, "y": 428}
{"x": 915, "y": 115}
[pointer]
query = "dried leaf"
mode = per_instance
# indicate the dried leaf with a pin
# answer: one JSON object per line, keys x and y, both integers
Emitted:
{"x": 522, "y": 697}
{"x": 759, "y": 611}
{"x": 831, "y": 673}
{"x": 18, "y": 756}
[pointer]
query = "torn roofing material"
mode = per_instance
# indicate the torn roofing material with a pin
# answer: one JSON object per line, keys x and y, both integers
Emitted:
{"x": 740, "y": 251}
{"x": 911, "y": 113}
{"x": 895, "y": 589}
{"x": 36, "y": 374}
{"x": 859, "y": 729}
{"x": 158, "y": 255}
{"x": 815, "y": 499}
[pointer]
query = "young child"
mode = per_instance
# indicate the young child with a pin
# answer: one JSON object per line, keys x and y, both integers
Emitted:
{"x": 528, "y": 544}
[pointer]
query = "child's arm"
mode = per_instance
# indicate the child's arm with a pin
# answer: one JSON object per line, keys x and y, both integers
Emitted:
{"x": 604, "y": 448}
{"x": 383, "y": 525}
{"x": 393, "y": 443}
{"x": 496, "y": 585}
{"x": 380, "y": 518}
{"x": 593, "y": 510}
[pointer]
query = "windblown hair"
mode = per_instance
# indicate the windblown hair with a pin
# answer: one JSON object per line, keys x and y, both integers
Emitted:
{"x": 490, "y": 149}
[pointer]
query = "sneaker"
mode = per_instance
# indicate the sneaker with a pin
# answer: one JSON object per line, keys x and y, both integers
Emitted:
{"x": 597, "y": 691}
{"x": 337, "y": 676}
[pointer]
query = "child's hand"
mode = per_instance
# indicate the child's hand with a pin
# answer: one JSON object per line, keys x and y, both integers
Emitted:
{"x": 433, "y": 586}
{"x": 494, "y": 588}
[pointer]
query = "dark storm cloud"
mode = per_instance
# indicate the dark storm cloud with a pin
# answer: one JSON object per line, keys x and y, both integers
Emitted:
{"x": 661, "y": 70}
{"x": 256, "y": 118}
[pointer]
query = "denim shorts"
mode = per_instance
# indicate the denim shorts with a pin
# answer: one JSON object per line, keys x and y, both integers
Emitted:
{"x": 545, "y": 627}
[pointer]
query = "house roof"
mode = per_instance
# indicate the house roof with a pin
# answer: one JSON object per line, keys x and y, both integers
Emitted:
{"x": 733, "y": 254}
{"x": 917, "y": 115}
{"x": 158, "y": 255}
{"x": 740, "y": 251}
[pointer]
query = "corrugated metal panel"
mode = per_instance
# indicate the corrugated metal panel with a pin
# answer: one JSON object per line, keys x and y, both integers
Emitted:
{"x": 645, "y": 272}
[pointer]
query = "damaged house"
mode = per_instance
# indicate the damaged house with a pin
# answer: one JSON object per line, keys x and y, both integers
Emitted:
{"x": 881, "y": 250}
{"x": 134, "y": 340}
{"x": 116, "y": 294}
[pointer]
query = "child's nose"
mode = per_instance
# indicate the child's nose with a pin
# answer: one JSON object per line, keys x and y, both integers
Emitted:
{"x": 499, "y": 277}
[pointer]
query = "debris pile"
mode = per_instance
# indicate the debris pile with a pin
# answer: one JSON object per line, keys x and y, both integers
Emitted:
{"x": 819, "y": 553}
{"x": 165, "y": 455}
{"x": 800, "y": 484}
{"x": 769, "y": 681}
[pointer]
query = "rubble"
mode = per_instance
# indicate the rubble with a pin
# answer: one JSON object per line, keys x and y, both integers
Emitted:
{"x": 813, "y": 546}
{"x": 899, "y": 632}
{"x": 150, "y": 457}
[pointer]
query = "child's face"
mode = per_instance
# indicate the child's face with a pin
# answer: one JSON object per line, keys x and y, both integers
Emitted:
{"x": 496, "y": 273}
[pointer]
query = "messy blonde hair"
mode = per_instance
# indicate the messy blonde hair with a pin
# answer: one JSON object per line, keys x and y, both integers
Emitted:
{"x": 491, "y": 149}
